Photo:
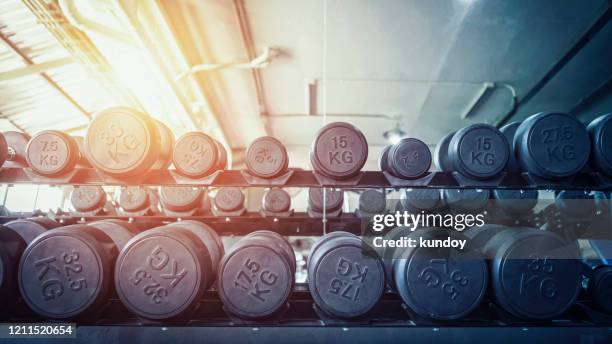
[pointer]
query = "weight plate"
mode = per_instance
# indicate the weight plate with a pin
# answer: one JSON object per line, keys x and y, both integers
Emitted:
{"x": 420, "y": 199}
{"x": 334, "y": 198}
{"x": 123, "y": 142}
{"x": 222, "y": 161}
{"x": 134, "y": 198}
{"x": 4, "y": 150}
{"x": 383, "y": 159}
{"x": 281, "y": 242}
{"x": 229, "y": 199}
{"x": 509, "y": 130}
{"x": 372, "y": 202}
{"x": 120, "y": 232}
{"x": 345, "y": 281}
{"x": 31, "y": 228}
{"x": 88, "y": 198}
{"x": 208, "y": 237}
{"x": 600, "y": 288}
{"x": 576, "y": 204}
{"x": 52, "y": 153}
{"x": 470, "y": 200}
{"x": 17, "y": 143}
{"x": 479, "y": 151}
{"x": 552, "y": 145}
{"x": 266, "y": 157}
{"x": 441, "y": 283}
{"x": 409, "y": 159}
{"x": 196, "y": 155}
{"x": 276, "y": 200}
{"x": 162, "y": 273}
{"x": 535, "y": 274}
{"x": 600, "y": 130}
{"x": 65, "y": 273}
{"x": 441, "y": 156}
{"x": 515, "y": 201}
{"x": 339, "y": 151}
{"x": 180, "y": 198}
{"x": 255, "y": 279}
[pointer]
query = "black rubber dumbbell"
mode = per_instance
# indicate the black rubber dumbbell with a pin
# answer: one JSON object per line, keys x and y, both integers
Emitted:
{"x": 88, "y": 199}
{"x": 197, "y": 155}
{"x": 339, "y": 151}
{"x": 328, "y": 201}
{"x": 228, "y": 201}
{"x": 266, "y": 157}
{"x": 184, "y": 200}
{"x": 410, "y": 158}
{"x": 371, "y": 202}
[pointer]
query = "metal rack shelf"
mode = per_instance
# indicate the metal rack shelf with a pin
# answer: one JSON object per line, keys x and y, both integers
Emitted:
{"x": 300, "y": 178}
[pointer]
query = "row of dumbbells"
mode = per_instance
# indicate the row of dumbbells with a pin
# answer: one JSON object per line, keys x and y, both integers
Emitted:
{"x": 124, "y": 143}
{"x": 71, "y": 272}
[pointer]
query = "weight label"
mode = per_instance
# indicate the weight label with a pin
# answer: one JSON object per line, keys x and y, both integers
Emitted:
{"x": 558, "y": 143}
{"x": 350, "y": 276}
{"x": 197, "y": 152}
{"x": 56, "y": 273}
{"x": 160, "y": 275}
{"x": 255, "y": 280}
{"x": 482, "y": 155}
{"x": 340, "y": 154}
{"x": 119, "y": 144}
{"x": 438, "y": 275}
{"x": 538, "y": 277}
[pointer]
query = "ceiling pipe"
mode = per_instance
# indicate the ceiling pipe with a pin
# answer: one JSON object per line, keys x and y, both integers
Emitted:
{"x": 74, "y": 17}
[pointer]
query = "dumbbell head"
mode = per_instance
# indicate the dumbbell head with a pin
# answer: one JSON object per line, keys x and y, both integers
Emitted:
{"x": 255, "y": 278}
{"x": 383, "y": 159}
{"x": 83, "y": 161}
{"x": 339, "y": 151}
{"x": 134, "y": 198}
{"x": 87, "y": 198}
{"x": 480, "y": 235}
{"x": 345, "y": 279}
{"x": 509, "y": 130}
{"x": 372, "y": 202}
{"x": 515, "y": 201}
{"x": 479, "y": 151}
{"x": 535, "y": 274}
{"x": 197, "y": 155}
{"x": 440, "y": 283}
{"x": 441, "y": 156}
{"x": 266, "y": 157}
{"x": 420, "y": 199}
{"x": 576, "y": 204}
{"x": 600, "y": 130}
{"x": 162, "y": 273}
{"x": 17, "y": 143}
{"x": 181, "y": 198}
{"x": 334, "y": 198}
{"x": 119, "y": 231}
{"x": 124, "y": 142}
{"x": 52, "y": 153}
{"x": 552, "y": 145}
{"x": 280, "y": 241}
{"x": 466, "y": 200}
{"x": 229, "y": 199}
{"x": 208, "y": 237}
{"x": 276, "y": 200}
{"x": 30, "y": 228}
{"x": 600, "y": 288}
{"x": 67, "y": 272}
{"x": 410, "y": 158}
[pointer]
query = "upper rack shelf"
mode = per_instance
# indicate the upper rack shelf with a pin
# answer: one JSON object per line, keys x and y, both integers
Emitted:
{"x": 301, "y": 178}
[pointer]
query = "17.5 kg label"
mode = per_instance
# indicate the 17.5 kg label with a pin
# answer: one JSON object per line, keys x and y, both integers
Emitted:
{"x": 37, "y": 330}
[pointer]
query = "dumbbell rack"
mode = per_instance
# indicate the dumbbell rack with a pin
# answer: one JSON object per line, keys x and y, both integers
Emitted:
{"x": 389, "y": 320}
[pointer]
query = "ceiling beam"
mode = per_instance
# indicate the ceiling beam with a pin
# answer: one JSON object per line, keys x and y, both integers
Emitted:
{"x": 35, "y": 69}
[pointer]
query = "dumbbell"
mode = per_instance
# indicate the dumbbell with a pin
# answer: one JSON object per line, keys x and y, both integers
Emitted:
{"x": 346, "y": 278}
{"x": 52, "y": 153}
{"x": 509, "y": 130}
{"x": 184, "y": 200}
{"x": 515, "y": 202}
{"x": 276, "y": 201}
{"x": 162, "y": 273}
{"x": 88, "y": 199}
{"x": 123, "y": 142}
{"x": 228, "y": 200}
{"x": 576, "y": 204}
{"x": 416, "y": 200}
{"x": 372, "y": 202}
{"x": 443, "y": 283}
{"x": 552, "y": 145}
{"x": 410, "y": 158}
{"x": 441, "y": 156}
{"x": 138, "y": 201}
{"x": 600, "y": 288}
{"x": 600, "y": 131}
{"x": 197, "y": 155}
{"x": 339, "y": 151}
{"x": 256, "y": 276}
{"x": 16, "y": 143}
{"x": 534, "y": 273}
{"x": 14, "y": 238}
{"x": 67, "y": 272}
{"x": 479, "y": 151}
{"x": 330, "y": 204}
{"x": 466, "y": 200}
{"x": 266, "y": 157}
